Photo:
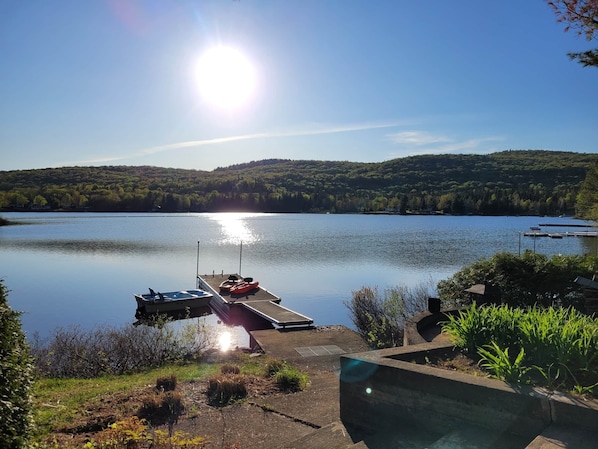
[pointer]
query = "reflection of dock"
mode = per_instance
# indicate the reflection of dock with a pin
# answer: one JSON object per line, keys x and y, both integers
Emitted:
{"x": 260, "y": 302}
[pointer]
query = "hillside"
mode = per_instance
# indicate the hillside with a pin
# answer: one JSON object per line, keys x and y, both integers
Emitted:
{"x": 508, "y": 182}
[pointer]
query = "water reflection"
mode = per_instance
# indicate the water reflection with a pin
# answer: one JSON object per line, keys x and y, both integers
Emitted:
{"x": 234, "y": 227}
{"x": 184, "y": 314}
{"x": 225, "y": 340}
{"x": 93, "y": 247}
{"x": 203, "y": 324}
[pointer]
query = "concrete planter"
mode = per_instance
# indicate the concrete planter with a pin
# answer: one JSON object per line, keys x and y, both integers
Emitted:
{"x": 379, "y": 389}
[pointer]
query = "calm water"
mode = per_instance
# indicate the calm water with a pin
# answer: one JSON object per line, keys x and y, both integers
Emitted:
{"x": 64, "y": 269}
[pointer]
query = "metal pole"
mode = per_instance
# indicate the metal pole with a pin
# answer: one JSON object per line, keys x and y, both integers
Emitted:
{"x": 197, "y": 267}
{"x": 240, "y": 257}
{"x": 519, "y": 243}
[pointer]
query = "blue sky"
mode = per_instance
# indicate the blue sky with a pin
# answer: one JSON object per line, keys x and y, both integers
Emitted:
{"x": 114, "y": 82}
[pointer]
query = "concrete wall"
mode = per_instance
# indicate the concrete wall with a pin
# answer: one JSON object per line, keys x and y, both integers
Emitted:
{"x": 379, "y": 390}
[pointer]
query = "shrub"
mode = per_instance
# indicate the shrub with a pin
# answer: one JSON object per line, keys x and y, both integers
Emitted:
{"x": 380, "y": 318}
{"x": 166, "y": 383}
{"x": 291, "y": 379}
{"x": 134, "y": 433}
{"x": 523, "y": 280}
{"x": 161, "y": 408}
{"x": 224, "y": 389}
{"x": 273, "y": 366}
{"x": 230, "y": 369}
{"x": 74, "y": 352}
{"x": 16, "y": 378}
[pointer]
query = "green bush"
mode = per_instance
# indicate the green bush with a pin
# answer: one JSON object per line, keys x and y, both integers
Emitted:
{"x": 290, "y": 379}
{"x": 16, "y": 378}
{"x": 522, "y": 280}
{"x": 553, "y": 347}
{"x": 273, "y": 366}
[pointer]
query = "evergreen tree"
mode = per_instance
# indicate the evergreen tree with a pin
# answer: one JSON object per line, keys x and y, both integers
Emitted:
{"x": 16, "y": 378}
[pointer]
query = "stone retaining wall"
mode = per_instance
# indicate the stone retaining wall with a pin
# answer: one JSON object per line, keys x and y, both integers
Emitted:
{"x": 379, "y": 389}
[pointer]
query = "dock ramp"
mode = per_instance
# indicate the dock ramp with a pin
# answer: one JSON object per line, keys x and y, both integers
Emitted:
{"x": 277, "y": 314}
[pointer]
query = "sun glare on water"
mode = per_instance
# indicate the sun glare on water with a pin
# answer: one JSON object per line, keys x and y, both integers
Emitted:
{"x": 225, "y": 77}
{"x": 225, "y": 340}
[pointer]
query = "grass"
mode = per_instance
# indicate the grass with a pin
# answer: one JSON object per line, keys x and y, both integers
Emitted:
{"x": 58, "y": 401}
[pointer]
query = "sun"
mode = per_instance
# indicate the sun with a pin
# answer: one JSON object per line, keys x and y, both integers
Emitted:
{"x": 225, "y": 77}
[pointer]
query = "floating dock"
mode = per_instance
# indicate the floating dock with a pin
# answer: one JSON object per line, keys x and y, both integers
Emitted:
{"x": 560, "y": 235}
{"x": 536, "y": 231}
{"x": 260, "y": 302}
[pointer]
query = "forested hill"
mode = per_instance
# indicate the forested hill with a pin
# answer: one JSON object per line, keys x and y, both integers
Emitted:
{"x": 508, "y": 182}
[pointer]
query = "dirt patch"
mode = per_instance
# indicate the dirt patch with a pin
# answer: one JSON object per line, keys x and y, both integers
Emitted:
{"x": 459, "y": 362}
{"x": 197, "y": 417}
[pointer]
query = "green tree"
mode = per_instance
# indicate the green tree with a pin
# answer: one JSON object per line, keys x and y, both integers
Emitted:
{"x": 16, "y": 378}
{"x": 39, "y": 201}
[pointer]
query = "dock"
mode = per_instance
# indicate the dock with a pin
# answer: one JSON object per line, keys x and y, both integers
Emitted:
{"x": 259, "y": 302}
{"x": 536, "y": 231}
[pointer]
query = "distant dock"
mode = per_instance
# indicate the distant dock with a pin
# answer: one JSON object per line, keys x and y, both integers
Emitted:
{"x": 567, "y": 225}
{"x": 260, "y": 302}
{"x": 535, "y": 231}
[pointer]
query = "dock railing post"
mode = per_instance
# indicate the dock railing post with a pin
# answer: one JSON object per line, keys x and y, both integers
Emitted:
{"x": 197, "y": 267}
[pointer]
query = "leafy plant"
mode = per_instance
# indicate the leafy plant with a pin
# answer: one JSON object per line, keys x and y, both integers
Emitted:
{"x": 501, "y": 365}
{"x": 134, "y": 433}
{"x": 559, "y": 344}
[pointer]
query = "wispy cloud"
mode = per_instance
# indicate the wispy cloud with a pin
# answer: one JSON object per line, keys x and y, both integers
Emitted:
{"x": 428, "y": 143}
{"x": 417, "y": 138}
{"x": 308, "y": 131}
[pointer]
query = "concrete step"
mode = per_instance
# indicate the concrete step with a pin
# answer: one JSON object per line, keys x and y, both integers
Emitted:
{"x": 332, "y": 436}
{"x": 404, "y": 434}
{"x": 479, "y": 438}
{"x": 555, "y": 437}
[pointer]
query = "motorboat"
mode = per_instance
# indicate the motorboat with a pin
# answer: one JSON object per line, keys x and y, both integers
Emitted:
{"x": 156, "y": 302}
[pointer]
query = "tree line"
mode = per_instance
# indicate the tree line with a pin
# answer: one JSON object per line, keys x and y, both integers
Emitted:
{"x": 518, "y": 182}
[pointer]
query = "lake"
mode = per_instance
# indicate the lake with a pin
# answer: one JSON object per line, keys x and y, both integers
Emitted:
{"x": 66, "y": 269}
